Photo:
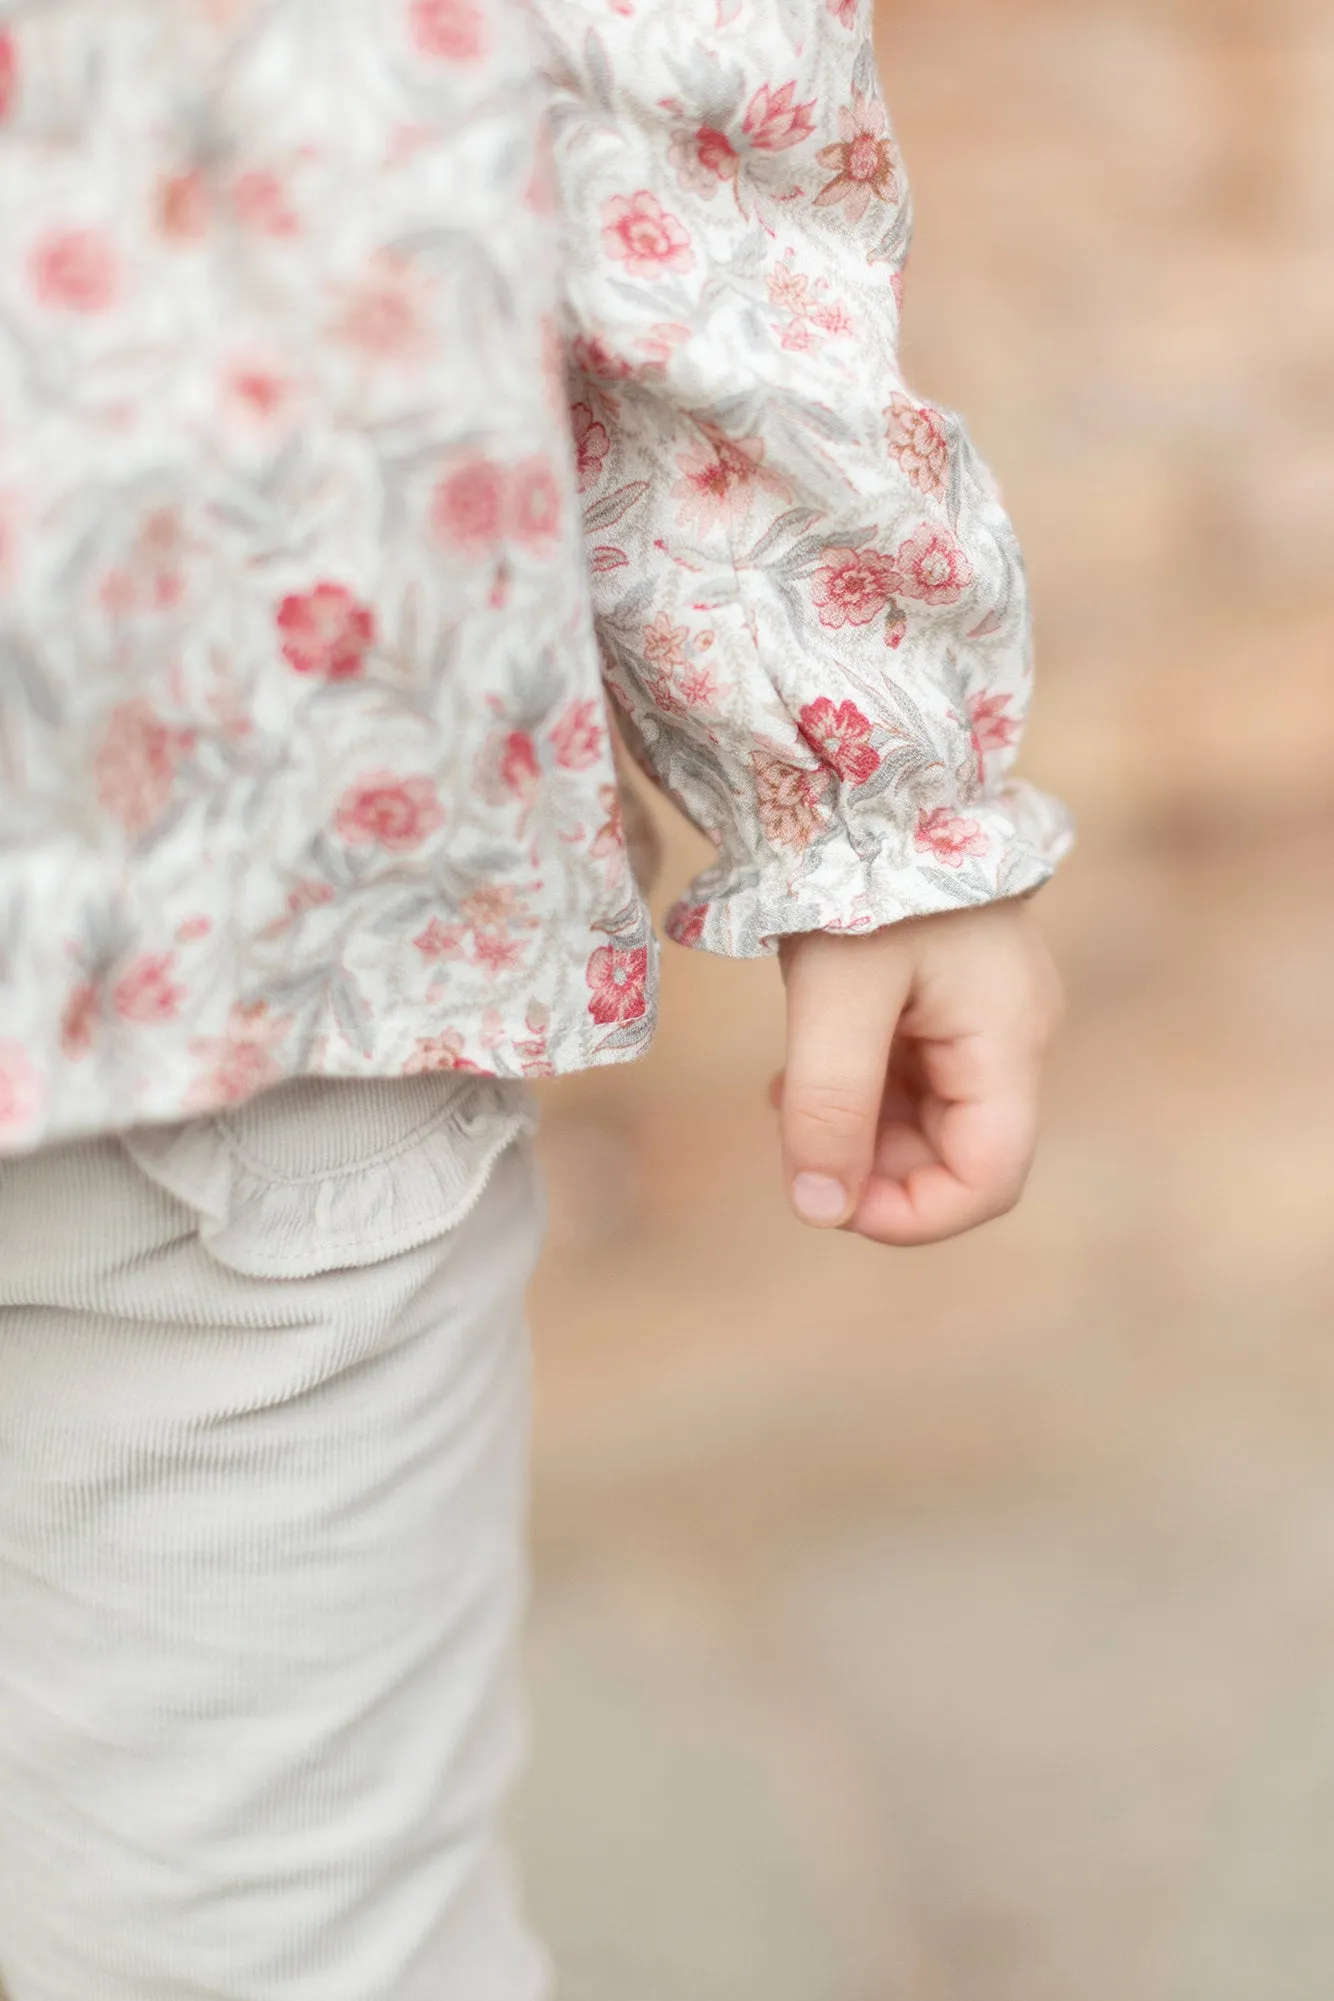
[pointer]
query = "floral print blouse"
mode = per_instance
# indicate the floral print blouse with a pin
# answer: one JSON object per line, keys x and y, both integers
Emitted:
{"x": 386, "y": 384}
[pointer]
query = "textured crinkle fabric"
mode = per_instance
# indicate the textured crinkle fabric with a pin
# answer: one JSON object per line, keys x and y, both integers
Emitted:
{"x": 384, "y": 382}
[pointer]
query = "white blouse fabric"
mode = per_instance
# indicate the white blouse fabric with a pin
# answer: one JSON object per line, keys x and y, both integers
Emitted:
{"x": 383, "y": 385}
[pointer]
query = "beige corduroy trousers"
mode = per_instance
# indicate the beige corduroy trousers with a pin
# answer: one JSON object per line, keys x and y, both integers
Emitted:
{"x": 263, "y": 1434}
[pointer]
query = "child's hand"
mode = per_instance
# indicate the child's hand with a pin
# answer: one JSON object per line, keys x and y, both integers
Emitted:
{"x": 909, "y": 1100}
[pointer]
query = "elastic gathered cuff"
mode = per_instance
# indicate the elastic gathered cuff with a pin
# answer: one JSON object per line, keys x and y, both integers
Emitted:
{"x": 950, "y": 859}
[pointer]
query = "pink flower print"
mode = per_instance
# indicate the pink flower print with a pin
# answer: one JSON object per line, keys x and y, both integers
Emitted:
{"x": 533, "y": 505}
{"x": 531, "y": 1049}
{"x": 705, "y": 159}
{"x": 841, "y": 738}
{"x": 468, "y": 509}
{"x": 718, "y": 478}
{"x": 518, "y": 769}
{"x": 591, "y": 356}
{"x": 699, "y": 690}
{"x": 617, "y": 981}
{"x": 260, "y": 392}
{"x": 496, "y": 906}
{"x": 260, "y": 201}
{"x": 932, "y": 567}
{"x": 789, "y": 288}
{"x": 151, "y": 579}
{"x": 686, "y": 923}
{"x": 438, "y": 1052}
{"x": 799, "y": 337}
{"x": 851, "y": 586}
{"x": 664, "y": 643}
{"x": 20, "y": 1091}
{"x": 832, "y": 320}
{"x": 948, "y": 836}
{"x": 659, "y": 342}
{"x": 577, "y": 737}
{"x": 916, "y": 437}
{"x": 715, "y": 153}
{"x": 492, "y": 914}
{"x": 242, "y": 1072}
{"x": 844, "y": 11}
{"x": 862, "y": 159}
{"x": 665, "y": 695}
{"x": 592, "y": 442}
{"x": 383, "y": 315}
{"x": 788, "y": 801}
{"x": 146, "y": 992}
{"x": 438, "y": 940}
{"x": 638, "y": 231}
{"x": 308, "y": 893}
{"x": 497, "y": 953}
{"x": 385, "y": 811}
{"x": 449, "y": 31}
{"x": 326, "y": 631}
{"x": 241, "y": 1063}
{"x": 9, "y": 72}
{"x": 74, "y": 270}
{"x": 183, "y": 206}
{"x": 134, "y": 768}
{"x": 992, "y": 728}
{"x": 678, "y": 682}
{"x": 773, "y": 121}
{"x": 812, "y": 313}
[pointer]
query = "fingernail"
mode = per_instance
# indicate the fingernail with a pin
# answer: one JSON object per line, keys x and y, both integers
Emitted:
{"x": 819, "y": 1199}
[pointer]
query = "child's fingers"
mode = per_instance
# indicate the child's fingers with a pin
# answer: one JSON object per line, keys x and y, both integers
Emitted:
{"x": 971, "y": 1160}
{"x": 901, "y": 1147}
{"x": 843, "y": 1006}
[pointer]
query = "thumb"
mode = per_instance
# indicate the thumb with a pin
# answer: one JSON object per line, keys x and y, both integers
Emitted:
{"x": 844, "y": 999}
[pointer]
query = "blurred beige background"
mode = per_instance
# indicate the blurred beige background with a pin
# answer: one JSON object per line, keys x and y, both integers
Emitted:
{"x": 959, "y": 1625}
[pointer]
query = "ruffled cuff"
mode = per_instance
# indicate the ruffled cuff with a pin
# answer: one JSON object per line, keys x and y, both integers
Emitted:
{"x": 950, "y": 858}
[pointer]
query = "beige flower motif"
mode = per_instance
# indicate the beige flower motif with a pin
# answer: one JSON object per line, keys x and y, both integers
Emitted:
{"x": 862, "y": 160}
{"x": 916, "y": 436}
{"x": 788, "y": 800}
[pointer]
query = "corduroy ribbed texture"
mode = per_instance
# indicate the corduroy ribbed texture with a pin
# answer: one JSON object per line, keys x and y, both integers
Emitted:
{"x": 262, "y": 1568}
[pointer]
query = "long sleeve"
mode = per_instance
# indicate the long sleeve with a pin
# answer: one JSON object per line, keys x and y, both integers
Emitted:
{"x": 809, "y": 599}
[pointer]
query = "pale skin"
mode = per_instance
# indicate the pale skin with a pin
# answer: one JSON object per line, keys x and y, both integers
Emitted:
{"x": 908, "y": 1104}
